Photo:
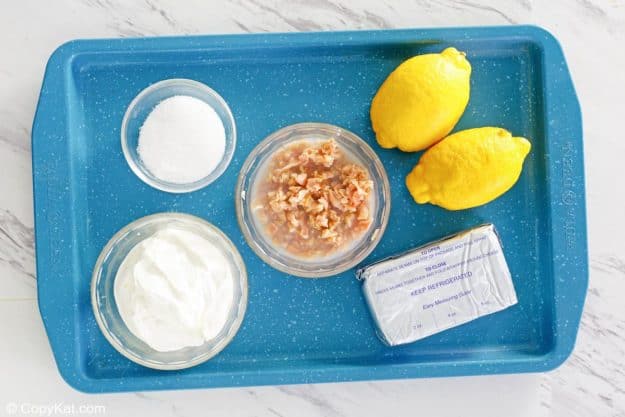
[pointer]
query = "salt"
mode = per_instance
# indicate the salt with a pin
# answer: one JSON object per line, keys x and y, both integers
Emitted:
{"x": 182, "y": 140}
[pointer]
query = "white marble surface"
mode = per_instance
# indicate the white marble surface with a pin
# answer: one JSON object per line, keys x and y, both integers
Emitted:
{"x": 590, "y": 383}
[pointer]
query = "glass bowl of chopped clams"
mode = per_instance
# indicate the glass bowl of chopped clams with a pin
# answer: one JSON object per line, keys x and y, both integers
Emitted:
{"x": 312, "y": 200}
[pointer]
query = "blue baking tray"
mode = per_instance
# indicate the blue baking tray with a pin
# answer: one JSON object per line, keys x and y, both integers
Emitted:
{"x": 305, "y": 330}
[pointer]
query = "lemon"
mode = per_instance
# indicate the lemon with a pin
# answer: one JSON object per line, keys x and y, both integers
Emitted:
{"x": 421, "y": 100}
{"x": 468, "y": 169}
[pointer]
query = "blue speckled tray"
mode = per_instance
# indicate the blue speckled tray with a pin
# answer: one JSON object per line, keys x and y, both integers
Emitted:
{"x": 304, "y": 330}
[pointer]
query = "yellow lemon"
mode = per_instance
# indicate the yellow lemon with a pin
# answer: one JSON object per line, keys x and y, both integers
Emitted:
{"x": 468, "y": 169}
{"x": 421, "y": 100}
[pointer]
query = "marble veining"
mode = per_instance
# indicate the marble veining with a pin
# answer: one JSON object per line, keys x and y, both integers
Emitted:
{"x": 592, "y": 32}
{"x": 16, "y": 244}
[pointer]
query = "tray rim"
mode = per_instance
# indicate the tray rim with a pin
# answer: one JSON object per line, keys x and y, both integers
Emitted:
{"x": 560, "y": 99}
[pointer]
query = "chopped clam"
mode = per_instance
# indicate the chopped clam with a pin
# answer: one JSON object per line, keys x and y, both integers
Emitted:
{"x": 314, "y": 200}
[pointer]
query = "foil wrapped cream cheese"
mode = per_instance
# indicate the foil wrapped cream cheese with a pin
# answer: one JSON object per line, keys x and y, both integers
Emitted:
{"x": 438, "y": 286}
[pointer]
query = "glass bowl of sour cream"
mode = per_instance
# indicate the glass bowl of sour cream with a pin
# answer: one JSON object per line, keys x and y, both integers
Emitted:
{"x": 169, "y": 291}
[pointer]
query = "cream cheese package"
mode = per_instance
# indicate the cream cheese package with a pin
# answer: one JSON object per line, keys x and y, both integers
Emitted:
{"x": 438, "y": 286}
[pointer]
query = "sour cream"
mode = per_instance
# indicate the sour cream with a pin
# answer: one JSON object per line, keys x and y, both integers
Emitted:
{"x": 175, "y": 289}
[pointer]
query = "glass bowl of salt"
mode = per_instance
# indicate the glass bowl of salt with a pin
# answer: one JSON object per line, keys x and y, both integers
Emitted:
{"x": 178, "y": 135}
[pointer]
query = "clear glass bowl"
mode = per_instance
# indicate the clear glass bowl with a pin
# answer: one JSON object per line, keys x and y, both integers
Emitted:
{"x": 105, "y": 309}
{"x": 276, "y": 256}
{"x": 144, "y": 103}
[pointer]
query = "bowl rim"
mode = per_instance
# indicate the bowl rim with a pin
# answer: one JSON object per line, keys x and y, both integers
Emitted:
{"x": 166, "y": 186}
{"x": 240, "y": 199}
{"x": 242, "y": 280}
